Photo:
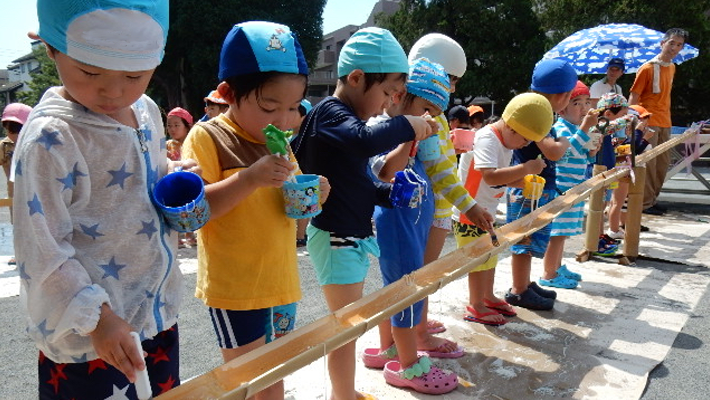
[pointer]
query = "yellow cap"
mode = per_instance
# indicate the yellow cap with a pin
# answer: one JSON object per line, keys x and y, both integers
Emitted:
{"x": 530, "y": 115}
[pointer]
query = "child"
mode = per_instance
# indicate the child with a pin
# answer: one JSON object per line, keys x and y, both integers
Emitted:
{"x": 214, "y": 105}
{"x": 14, "y": 117}
{"x": 304, "y": 108}
{"x": 486, "y": 171}
{"x": 553, "y": 79}
{"x": 461, "y": 133}
{"x": 178, "y": 124}
{"x": 96, "y": 259}
{"x": 402, "y": 234}
{"x": 263, "y": 73}
{"x": 574, "y": 122}
{"x": 335, "y": 141}
{"x": 476, "y": 116}
{"x": 448, "y": 190}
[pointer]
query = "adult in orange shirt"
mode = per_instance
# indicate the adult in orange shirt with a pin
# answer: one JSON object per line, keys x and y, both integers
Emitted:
{"x": 652, "y": 90}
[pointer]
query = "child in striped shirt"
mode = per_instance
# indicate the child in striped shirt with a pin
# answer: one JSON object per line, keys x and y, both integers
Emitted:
{"x": 573, "y": 124}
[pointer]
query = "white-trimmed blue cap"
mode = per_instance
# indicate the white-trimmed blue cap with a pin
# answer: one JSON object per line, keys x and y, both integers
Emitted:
{"x": 121, "y": 35}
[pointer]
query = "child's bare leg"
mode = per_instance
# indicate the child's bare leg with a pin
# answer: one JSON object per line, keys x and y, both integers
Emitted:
{"x": 386, "y": 339}
{"x": 406, "y": 341}
{"x": 615, "y": 209}
{"x": 553, "y": 256}
{"x": 521, "y": 265}
{"x": 273, "y": 392}
{"x": 480, "y": 284}
{"x": 425, "y": 340}
{"x": 341, "y": 362}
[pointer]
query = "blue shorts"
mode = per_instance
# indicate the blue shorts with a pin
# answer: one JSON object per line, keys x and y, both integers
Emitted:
{"x": 518, "y": 207}
{"x": 97, "y": 379}
{"x": 236, "y": 328}
{"x": 340, "y": 261}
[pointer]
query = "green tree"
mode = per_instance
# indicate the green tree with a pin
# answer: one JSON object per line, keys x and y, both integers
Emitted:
{"x": 502, "y": 39}
{"x": 197, "y": 29}
{"x": 42, "y": 79}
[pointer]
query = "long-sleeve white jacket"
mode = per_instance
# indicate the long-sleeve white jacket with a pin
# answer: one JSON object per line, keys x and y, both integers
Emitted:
{"x": 85, "y": 229}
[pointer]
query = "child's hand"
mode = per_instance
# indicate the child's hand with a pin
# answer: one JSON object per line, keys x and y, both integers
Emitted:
{"x": 422, "y": 128}
{"x": 269, "y": 171}
{"x": 648, "y": 133}
{"x": 324, "y": 188}
{"x": 113, "y": 343}
{"x": 535, "y": 166}
{"x": 480, "y": 217}
{"x": 187, "y": 164}
{"x": 589, "y": 120}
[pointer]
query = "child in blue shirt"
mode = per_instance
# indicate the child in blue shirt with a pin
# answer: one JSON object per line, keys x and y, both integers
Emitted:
{"x": 334, "y": 141}
{"x": 402, "y": 237}
{"x": 574, "y": 122}
{"x": 553, "y": 79}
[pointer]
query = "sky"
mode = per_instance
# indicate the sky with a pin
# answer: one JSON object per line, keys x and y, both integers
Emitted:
{"x": 22, "y": 18}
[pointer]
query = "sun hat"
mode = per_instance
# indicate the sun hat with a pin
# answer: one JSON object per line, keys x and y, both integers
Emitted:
{"x": 460, "y": 113}
{"x": 121, "y": 35}
{"x": 616, "y": 62}
{"x": 530, "y": 115}
{"x": 215, "y": 97}
{"x": 429, "y": 81}
{"x": 440, "y": 49}
{"x": 182, "y": 113}
{"x": 611, "y": 100}
{"x": 473, "y": 109}
{"x": 641, "y": 110}
{"x": 373, "y": 50}
{"x": 261, "y": 46}
{"x": 579, "y": 89}
{"x": 16, "y": 112}
{"x": 553, "y": 76}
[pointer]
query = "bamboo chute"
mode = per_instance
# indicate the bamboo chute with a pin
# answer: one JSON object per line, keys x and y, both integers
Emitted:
{"x": 262, "y": 367}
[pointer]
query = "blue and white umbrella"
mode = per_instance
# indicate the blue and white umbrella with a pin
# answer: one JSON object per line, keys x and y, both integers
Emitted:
{"x": 589, "y": 50}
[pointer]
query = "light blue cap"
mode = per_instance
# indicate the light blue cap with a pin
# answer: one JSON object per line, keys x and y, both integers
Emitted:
{"x": 429, "y": 81}
{"x": 553, "y": 76}
{"x": 121, "y": 35}
{"x": 373, "y": 50}
{"x": 261, "y": 46}
{"x": 306, "y": 105}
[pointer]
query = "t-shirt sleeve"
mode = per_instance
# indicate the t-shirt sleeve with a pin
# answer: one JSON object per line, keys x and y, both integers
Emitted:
{"x": 200, "y": 147}
{"x": 486, "y": 151}
{"x": 642, "y": 80}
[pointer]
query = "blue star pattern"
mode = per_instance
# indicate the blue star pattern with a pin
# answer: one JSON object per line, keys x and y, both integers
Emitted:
{"x": 35, "y": 206}
{"x": 92, "y": 231}
{"x": 23, "y": 272}
{"x": 49, "y": 139}
{"x": 163, "y": 143}
{"x": 111, "y": 269}
{"x": 18, "y": 168}
{"x": 149, "y": 294}
{"x": 118, "y": 177}
{"x": 76, "y": 173}
{"x": 43, "y": 328}
{"x": 81, "y": 359}
{"x": 68, "y": 181}
{"x": 148, "y": 229}
{"x": 147, "y": 133}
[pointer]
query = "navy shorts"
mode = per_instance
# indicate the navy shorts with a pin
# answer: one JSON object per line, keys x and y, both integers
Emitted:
{"x": 236, "y": 328}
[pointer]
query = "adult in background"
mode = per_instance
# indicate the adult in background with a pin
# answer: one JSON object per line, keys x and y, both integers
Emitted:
{"x": 614, "y": 69}
{"x": 652, "y": 90}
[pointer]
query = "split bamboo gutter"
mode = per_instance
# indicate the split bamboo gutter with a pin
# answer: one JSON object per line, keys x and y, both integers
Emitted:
{"x": 252, "y": 372}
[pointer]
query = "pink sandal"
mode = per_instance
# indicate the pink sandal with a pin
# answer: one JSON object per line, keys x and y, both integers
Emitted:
{"x": 373, "y": 357}
{"x": 421, "y": 376}
{"x": 433, "y": 327}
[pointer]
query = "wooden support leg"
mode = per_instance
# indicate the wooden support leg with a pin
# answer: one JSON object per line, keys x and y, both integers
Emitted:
{"x": 596, "y": 211}
{"x": 633, "y": 215}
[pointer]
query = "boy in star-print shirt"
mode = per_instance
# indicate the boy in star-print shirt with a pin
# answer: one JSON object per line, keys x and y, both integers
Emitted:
{"x": 96, "y": 260}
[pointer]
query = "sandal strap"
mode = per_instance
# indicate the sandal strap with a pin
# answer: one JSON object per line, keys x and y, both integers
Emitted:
{"x": 391, "y": 352}
{"x": 419, "y": 368}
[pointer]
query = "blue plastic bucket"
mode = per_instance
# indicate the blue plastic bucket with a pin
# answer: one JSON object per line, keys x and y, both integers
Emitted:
{"x": 302, "y": 197}
{"x": 180, "y": 197}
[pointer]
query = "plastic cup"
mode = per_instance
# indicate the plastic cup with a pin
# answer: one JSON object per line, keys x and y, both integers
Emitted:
{"x": 180, "y": 198}
{"x": 462, "y": 140}
{"x": 533, "y": 186}
{"x": 429, "y": 149}
{"x": 302, "y": 197}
